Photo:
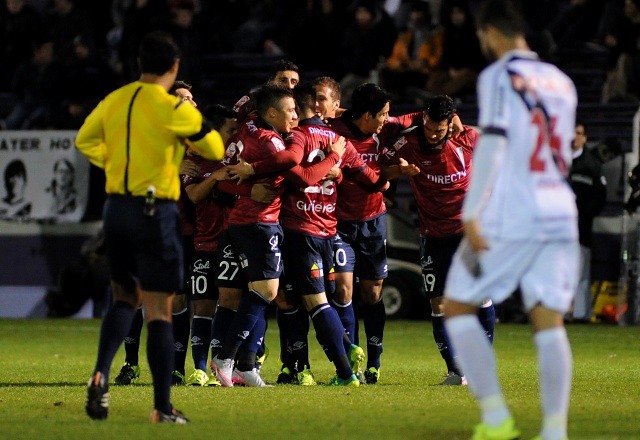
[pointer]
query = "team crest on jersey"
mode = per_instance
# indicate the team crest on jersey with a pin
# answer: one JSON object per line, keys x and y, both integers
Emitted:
{"x": 244, "y": 263}
{"x": 316, "y": 272}
{"x": 277, "y": 142}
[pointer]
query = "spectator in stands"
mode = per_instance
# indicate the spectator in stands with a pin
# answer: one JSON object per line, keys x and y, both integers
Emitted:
{"x": 186, "y": 29}
{"x": 37, "y": 84}
{"x": 141, "y": 17}
{"x": 63, "y": 22}
{"x": 326, "y": 18}
{"x": 366, "y": 42}
{"x": 417, "y": 50}
{"x": 259, "y": 32}
{"x": 17, "y": 24}
{"x": 577, "y": 24}
{"x": 621, "y": 35}
{"x": 91, "y": 78}
{"x": 462, "y": 59}
{"x": 589, "y": 185}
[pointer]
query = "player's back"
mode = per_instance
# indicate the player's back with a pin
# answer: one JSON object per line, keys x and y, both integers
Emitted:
{"x": 533, "y": 103}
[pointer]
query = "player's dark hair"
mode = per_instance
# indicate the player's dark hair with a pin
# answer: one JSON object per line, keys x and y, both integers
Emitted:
{"x": 332, "y": 84}
{"x": 504, "y": 15}
{"x": 157, "y": 53}
{"x": 305, "y": 96}
{"x": 281, "y": 66}
{"x": 269, "y": 95}
{"x": 180, "y": 85}
{"x": 439, "y": 108}
{"x": 217, "y": 115}
{"x": 368, "y": 97}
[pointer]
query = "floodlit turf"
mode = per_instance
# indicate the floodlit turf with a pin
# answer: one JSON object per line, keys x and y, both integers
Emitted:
{"x": 44, "y": 366}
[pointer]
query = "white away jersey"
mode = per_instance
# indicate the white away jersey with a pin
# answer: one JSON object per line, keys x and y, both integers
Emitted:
{"x": 533, "y": 104}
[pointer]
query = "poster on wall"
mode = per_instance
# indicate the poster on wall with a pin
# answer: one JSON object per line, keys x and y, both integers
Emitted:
{"x": 44, "y": 177}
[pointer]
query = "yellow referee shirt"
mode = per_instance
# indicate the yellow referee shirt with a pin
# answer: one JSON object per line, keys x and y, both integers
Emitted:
{"x": 136, "y": 135}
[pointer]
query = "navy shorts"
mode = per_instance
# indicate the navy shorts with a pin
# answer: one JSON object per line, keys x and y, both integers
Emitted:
{"x": 142, "y": 248}
{"x": 436, "y": 255}
{"x": 361, "y": 247}
{"x": 258, "y": 249}
{"x": 227, "y": 270}
{"x": 202, "y": 278}
{"x": 308, "y": 264}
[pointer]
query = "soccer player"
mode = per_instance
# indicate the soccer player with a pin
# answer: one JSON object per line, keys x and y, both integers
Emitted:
{"x": 136, "y": 134}
{"x": 283, "y": 72}
{"x": 438, "y": 164}
{"x": 308, "y": 216}
{"x": 210, "y": 205}
{"x": 520, "y": 222}
{"x": 328, "y": 94}
{"x": 361, "y": 212}
{"x": 255, "y": 233}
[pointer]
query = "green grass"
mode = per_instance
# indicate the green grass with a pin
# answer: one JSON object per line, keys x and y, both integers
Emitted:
{"x": 44, "y": 366}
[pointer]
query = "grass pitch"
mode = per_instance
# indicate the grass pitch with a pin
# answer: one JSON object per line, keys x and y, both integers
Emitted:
{"x": 44, "y": 366}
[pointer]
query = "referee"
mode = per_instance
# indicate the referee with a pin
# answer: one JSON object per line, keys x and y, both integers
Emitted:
{"x": 136, "y": 135}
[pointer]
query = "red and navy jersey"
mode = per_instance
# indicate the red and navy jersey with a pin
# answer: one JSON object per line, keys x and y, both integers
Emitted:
{"x": 254, "y": 141}
{"x": 357, "y": 202}
{"x": 444, "y": 178}
{"x": 210, "y": 218}
{"x": 187, "y": 211}
{"x": 308, "y": 203}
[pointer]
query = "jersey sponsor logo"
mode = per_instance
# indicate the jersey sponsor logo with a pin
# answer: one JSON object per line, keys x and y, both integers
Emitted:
{"x": 332, "y": 274}
{"x": 315, "y": 207}
{"x": 227, "y": 252}
{"x": 273, "y": 241}
{"x": 201, "y": 267}
{"x": 277, "y": 142}
{"x": 427, "y": 262}
{"x": 400, "y": 143}
{"x": 322, "y": 132}
{"x": 251, "y": 126}
{"x": 369, "y": 157}
{"x": 447, "y": 178}
{"x": 316, "y": 272}
{"x": 327, "y": 188}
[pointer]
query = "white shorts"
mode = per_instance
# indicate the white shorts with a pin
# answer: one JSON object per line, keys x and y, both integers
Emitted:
{"x": 546, "y": 272}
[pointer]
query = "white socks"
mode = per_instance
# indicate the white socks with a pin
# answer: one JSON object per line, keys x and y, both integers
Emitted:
{"x": 555, "y": 364}
{"x": 475, "y": 356}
